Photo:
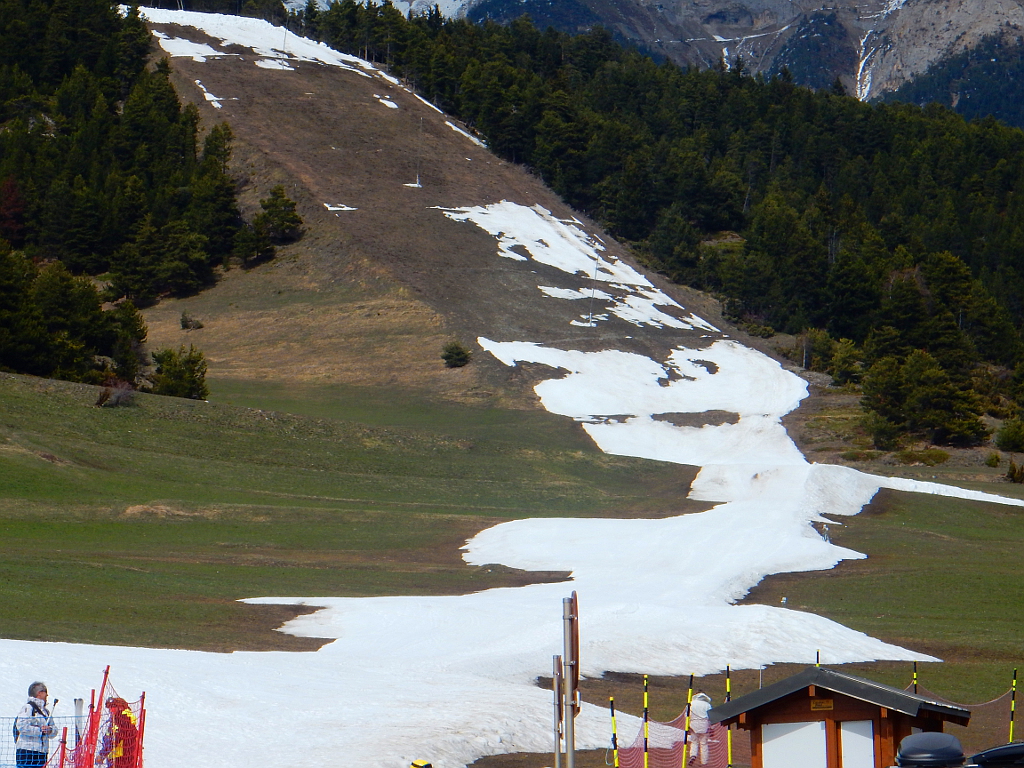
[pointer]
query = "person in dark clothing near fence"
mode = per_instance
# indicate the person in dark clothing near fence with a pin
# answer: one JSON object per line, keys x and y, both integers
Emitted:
{"x": 33, "y": 728}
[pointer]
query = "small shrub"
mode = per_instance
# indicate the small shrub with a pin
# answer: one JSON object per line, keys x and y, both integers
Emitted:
{"x": 1011, "y": 437}
{"x": 992, "y": 460}
{"x": 189, "y": 323}
{"x": 115, "y": 394}
{"x": 930, "y": 457}
{"x": 455, "y": 354}
{"x": 180, "y": 373}
{"x": 760, "y": 331}
{"x": 860, "y": 455}
{"x": 1014, "y": 473}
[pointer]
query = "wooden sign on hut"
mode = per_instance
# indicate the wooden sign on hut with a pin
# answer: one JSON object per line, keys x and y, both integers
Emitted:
{"x": 821, "y": 718}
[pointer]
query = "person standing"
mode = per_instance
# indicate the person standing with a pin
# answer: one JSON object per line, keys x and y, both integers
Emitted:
{"x": 33, "y": 728}
{"x": 699, "y": 725}
{"x": 121, "y": 742}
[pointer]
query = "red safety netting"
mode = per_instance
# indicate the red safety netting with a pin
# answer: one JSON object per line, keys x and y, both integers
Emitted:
{"x": 665, "y": 743}
{"x": 112, "y": 737}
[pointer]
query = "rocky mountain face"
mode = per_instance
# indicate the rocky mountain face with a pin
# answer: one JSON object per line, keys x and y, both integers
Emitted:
{"x": 872, "y": 47}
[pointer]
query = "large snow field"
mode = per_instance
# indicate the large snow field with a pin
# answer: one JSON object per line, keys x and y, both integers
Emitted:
{"x": 451, "y": 679}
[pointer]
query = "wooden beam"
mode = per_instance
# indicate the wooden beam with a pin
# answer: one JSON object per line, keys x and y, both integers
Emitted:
{"x": 832, "y": 743}
{"x": 810, "y": 691}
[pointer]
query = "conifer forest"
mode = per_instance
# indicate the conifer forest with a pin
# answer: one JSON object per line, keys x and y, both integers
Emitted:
{"x": 888, "y": 237}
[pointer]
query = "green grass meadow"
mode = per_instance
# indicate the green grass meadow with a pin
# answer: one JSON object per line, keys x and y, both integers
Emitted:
{"x": 143, "y": 525}
{"x": 944, "y": 576}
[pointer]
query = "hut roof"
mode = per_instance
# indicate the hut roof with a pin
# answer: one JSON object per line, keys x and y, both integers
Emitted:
{"x": 839, "y": 682}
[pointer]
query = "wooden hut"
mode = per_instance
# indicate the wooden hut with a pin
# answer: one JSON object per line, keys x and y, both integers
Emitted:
{"x": 821, "y": 718}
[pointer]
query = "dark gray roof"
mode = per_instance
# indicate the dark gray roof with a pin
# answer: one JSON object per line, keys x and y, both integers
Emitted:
{"x": 849, "y": 685}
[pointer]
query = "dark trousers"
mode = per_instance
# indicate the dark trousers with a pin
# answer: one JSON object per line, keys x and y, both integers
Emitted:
{"x": 29, "y": 758}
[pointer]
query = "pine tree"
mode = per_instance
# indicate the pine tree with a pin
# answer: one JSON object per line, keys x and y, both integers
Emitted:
{"x": 278, "y": 220}
{"x": 935, "y": 406}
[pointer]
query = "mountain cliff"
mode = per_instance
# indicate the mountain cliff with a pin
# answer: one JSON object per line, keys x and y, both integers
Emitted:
{"x": 872, "y": 47}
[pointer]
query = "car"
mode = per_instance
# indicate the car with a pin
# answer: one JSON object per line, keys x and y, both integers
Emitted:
{"x": 1003, "y": 756}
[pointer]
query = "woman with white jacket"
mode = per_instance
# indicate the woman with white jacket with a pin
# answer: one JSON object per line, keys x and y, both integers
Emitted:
{"x": 33, "y": 727}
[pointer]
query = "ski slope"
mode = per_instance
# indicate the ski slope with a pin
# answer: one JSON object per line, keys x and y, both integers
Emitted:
{"x": 451, "y": 679}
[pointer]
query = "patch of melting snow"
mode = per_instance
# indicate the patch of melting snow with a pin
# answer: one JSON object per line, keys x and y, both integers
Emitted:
{"x": 526, "y": 233}
{"x": 467, "y": 134}
{"x": 180, "y": 47}
{"x": 214, "y": 100}
{"x": 386, "y": 101}
{"x": 273, "y": 64}
{"x": 339, "y": 207}
{"x": 271, "y": 44}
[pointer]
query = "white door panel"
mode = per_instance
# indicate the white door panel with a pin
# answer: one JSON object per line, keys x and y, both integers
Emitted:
{"x": 785, "y": 745}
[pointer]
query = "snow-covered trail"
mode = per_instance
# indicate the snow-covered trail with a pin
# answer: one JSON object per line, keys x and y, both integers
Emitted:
{"x": 452, "y": 678}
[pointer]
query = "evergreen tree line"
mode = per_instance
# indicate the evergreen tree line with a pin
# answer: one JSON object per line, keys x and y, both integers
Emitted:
{"x": 102, "y": 175}
{"x": 888, "y": 230}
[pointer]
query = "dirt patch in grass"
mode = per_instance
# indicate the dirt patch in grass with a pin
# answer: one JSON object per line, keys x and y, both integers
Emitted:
{"x": 704, "y": 419}
{"x": 261, "y": 623}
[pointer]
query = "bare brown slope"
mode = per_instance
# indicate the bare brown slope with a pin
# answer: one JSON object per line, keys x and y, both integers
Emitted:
{"x": 369, "y": 296}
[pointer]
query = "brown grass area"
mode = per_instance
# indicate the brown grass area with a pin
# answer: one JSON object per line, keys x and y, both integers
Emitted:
{"x": 371, "y": 295}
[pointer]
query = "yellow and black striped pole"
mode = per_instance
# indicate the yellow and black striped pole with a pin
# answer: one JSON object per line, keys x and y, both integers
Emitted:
{"x": 646, "y": 729}
{"x": 915, "y": 677}
{"x": 1013, "y": 701}
{"x": 728, "y": 698}
{"x": 615, "y": 734}
{"x": 686, "y": 733}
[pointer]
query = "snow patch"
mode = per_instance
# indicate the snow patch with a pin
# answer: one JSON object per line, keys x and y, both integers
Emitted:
{"x": 461, "y": 132}
{"x": 177, "y": 47}
{"x": 274, "y": 64}
{"x": 270, "y": 44}
{"x": 215, "y": 101}
{"x": 534, "y": 234}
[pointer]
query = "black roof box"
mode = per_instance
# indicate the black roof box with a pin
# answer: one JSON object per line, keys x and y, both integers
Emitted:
{"x": 930, "y": 750}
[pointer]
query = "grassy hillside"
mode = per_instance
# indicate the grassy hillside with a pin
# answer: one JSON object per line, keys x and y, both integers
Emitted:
{"x": 142, "y": 525}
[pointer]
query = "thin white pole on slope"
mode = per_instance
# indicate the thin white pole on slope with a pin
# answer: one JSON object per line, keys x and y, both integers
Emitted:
{"x": 570, "y": 663}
